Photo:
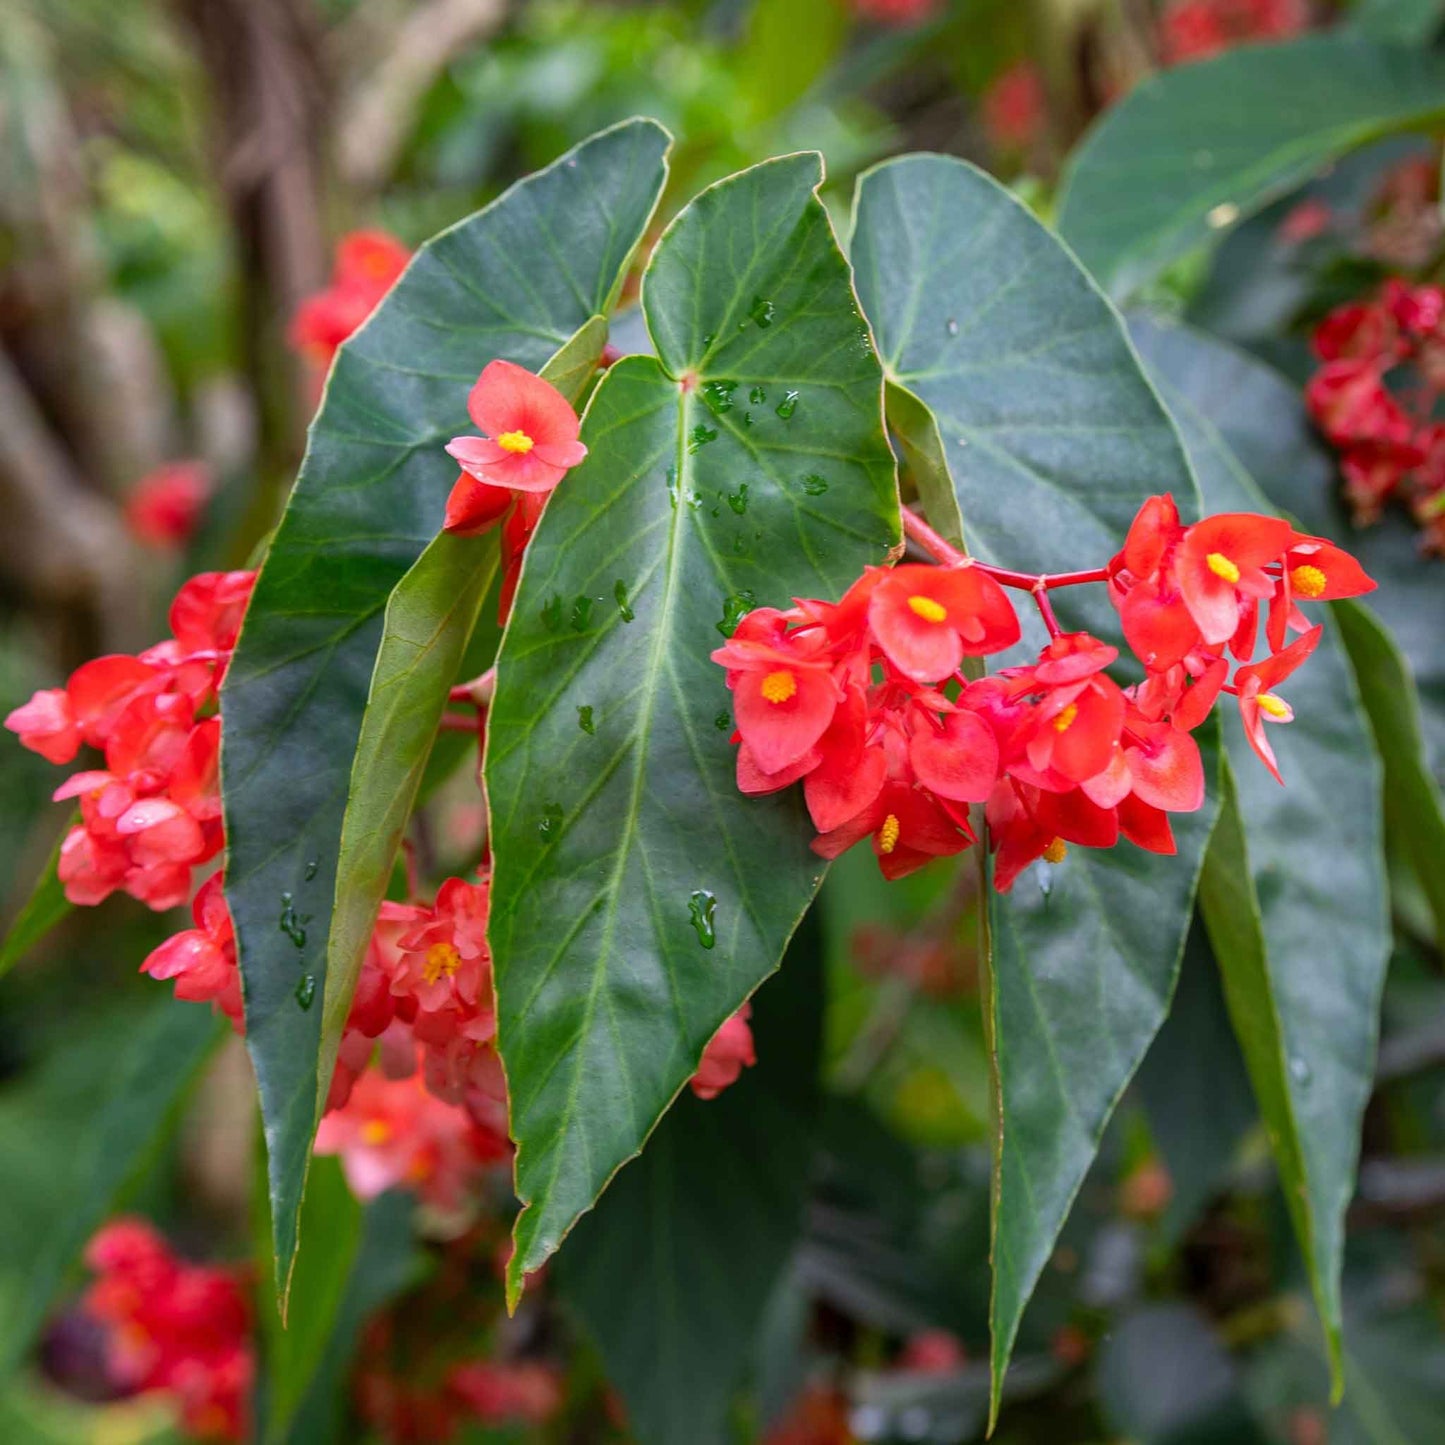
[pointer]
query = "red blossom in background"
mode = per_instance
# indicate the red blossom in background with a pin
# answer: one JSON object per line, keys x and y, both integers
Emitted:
{"x": 895, "y": 12}
{"x": 864, "y": 700}
{"x": 174, "y": 1328}
{"x": 728, "y": 1053}
{"x": 367, "y": 265}
{"x": 1374, "y": 396}
{"x": 1013, "y": 107}
{"x": 165, "y": 507}
{"x": 1196, "y": 29}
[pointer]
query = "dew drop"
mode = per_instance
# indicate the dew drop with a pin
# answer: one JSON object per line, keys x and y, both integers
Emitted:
{"x": 708, "y": 339}
{"x": 624, "y": 608}
{"x": 788, "y": 405}
{"x": 672, "y": 487}
{"x": 735, "y": 608}
{"x": 1222, "y": 215}
{"x": 719, "y": 395}
{"x": 740, "y": 545}
{"x": 699, "y": 437}
{"x": 584, "y": 719}
{"x": 758, "y": 395}
{"x": 551, "y": 821}
{"x": 1300, "y": 1071}
{"x": 814, "y": 485}
{"x": 701, "y": 906}
{"x": 581, "y": 613}
{"x": 952, "y": 327}
{"x": 306, "y": 990}
{"x": 552, "y": 613}
{"x": 738, "y": 500}
{"x": 762, "y": 311}
{"x": 290, "y": 922}
{"x": 747, "y": 418}
{"x": 722, "y": 721}
{"x": 311, "y": 867}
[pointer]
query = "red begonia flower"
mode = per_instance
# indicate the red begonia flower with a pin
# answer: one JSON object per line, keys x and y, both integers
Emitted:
{"x": 927, "y": 619}
{"x": 1258, "y": 705}
{"x": 728, "y": 1053}
{"x": 46, "y": 725}
{"x": 530, "y": 431}
{"x": 908, "y": 825}
{"x": 164, "y": 508}
{"x": 1221, "y": 560}
{"x": 960, "y": 762}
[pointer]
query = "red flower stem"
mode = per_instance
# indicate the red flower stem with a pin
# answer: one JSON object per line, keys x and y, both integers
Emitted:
{"x": 478, "y": 691}
{"x": 1046, "y": 608}
{"x": 947, "y": 555}
{"x": 457, "y": 722}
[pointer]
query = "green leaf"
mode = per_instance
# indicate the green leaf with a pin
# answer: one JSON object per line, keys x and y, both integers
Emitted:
{"x": 97, "y": 1116}
{"x": 429, "y": 620}
{"x": 790, "y": 44}
{"x": 702, "y": 484}
{"x": 517, "y": 280}
{"x": 1408, "y": 22}
{"x": 293, "y": 1350}
{"x": 1192, "y": 151}
{"x": 696, "y": 1233}
{"x": 1413, "y": 812}
{"x": 1053, "y": 437}
{"x": 45, "y": 907}
{"x": 1294, "y": 894}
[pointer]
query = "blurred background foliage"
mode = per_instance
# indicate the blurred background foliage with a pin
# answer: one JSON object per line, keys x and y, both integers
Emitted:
{"x": 173, "y": 176}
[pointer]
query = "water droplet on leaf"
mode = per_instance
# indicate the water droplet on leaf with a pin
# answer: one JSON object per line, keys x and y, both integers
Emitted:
{"x": 758, "y": 395}
{"x": 623, "y": 606}
{"x": 719, "y": 395}
{"x": 1300, "y": 1071}
{"x": 788, "y": 405}
{"x": 762, "y": 311}
{"x": 952, "y": 327}
{"x": 701, "y": 907}
{"x": 581, "y": 613}
{"x": 814, "y": 485}
{"x": 551, "y": 821}
{"x": 584, "y": 719}
{"x": 311, "y": 867}
{"x": 306, "y": 990}
{"x": 290, "y": 922}
{"x": 722, "y": 721}
{"x": 735, "y": 608}
{"x": 738, "y": 500}
{"x": 699, "y": 437}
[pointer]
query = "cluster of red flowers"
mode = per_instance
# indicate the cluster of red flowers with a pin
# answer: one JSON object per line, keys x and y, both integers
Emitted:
{"x": 1196, "y": 29}
{"x": 1375, "y": 396}
{"x": 152, "y": 815}
{"x": 176, "y": 1328}
{"x": 367, "y": 265}
{"x": 864, "y": 700}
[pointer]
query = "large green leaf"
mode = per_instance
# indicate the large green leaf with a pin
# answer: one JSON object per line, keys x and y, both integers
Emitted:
{"x": 1295, "y": 897}
{"x": 1188, "y": 153}
{"x": 517, "y": 280}
{"x": 637, "y": 896}
{"x": 695, "y": 1234}
{"x": 1052, "y": 437}
{"x": 76, "y": 1139}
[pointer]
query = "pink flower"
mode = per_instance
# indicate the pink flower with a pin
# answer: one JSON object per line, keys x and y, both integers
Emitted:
{"x": 165, "y": 506}
{"x": 531, "y": 435}
{"x": 47, "y": 725}
{"x": 726, "y": 1056}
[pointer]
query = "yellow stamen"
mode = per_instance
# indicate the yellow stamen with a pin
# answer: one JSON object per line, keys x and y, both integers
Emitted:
{"x": 441, "y": 958}
{"x": 375, "y": 1131}
{"x": 1221, "y": 566}
{"x": 928, "y": 609}
{"x": 780, "y": 686}
{"x": 1308, "y": 581}
{"x": 1274, "y": 706}
{"x": 515, "y": 441}
{"x": 1056, "y": 851}
{"x": 1065, "y": 719}
{"x": 888, "y": 834}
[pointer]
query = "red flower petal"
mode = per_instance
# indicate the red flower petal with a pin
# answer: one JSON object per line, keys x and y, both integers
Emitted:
{"x": 509, "y": 398}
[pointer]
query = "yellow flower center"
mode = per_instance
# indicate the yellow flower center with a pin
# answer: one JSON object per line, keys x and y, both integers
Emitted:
{"x": 1274, "y": 706}
{"x": 1065, "y": 719}
{"x": 441, "y": 958}
{"x": 1221, "y": 566}
{"x": 928, "y": 609}
{"x": 779, "y": 686}
{"x": 888, "y": 834}
{"x": 1308, "y": 581}
{"x": 1056, "y": 851}
{"x": 515, "y": 441}
{"x": 375, "y": 1131}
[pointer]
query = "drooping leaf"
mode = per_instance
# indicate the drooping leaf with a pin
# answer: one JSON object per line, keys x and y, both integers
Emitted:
{"x": 1052, "y": 437}
{"x": 517, "y": 280}
{"x": 696, "y": 1233}
{"x": 637, "y": 896}
{"x": 96, "y": 1118}
{"x": 1294, "y": 896}
{"x": 1191, "y": 151}
{"x": 292, "y": 1350}
{"x": 45, "y": 907}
